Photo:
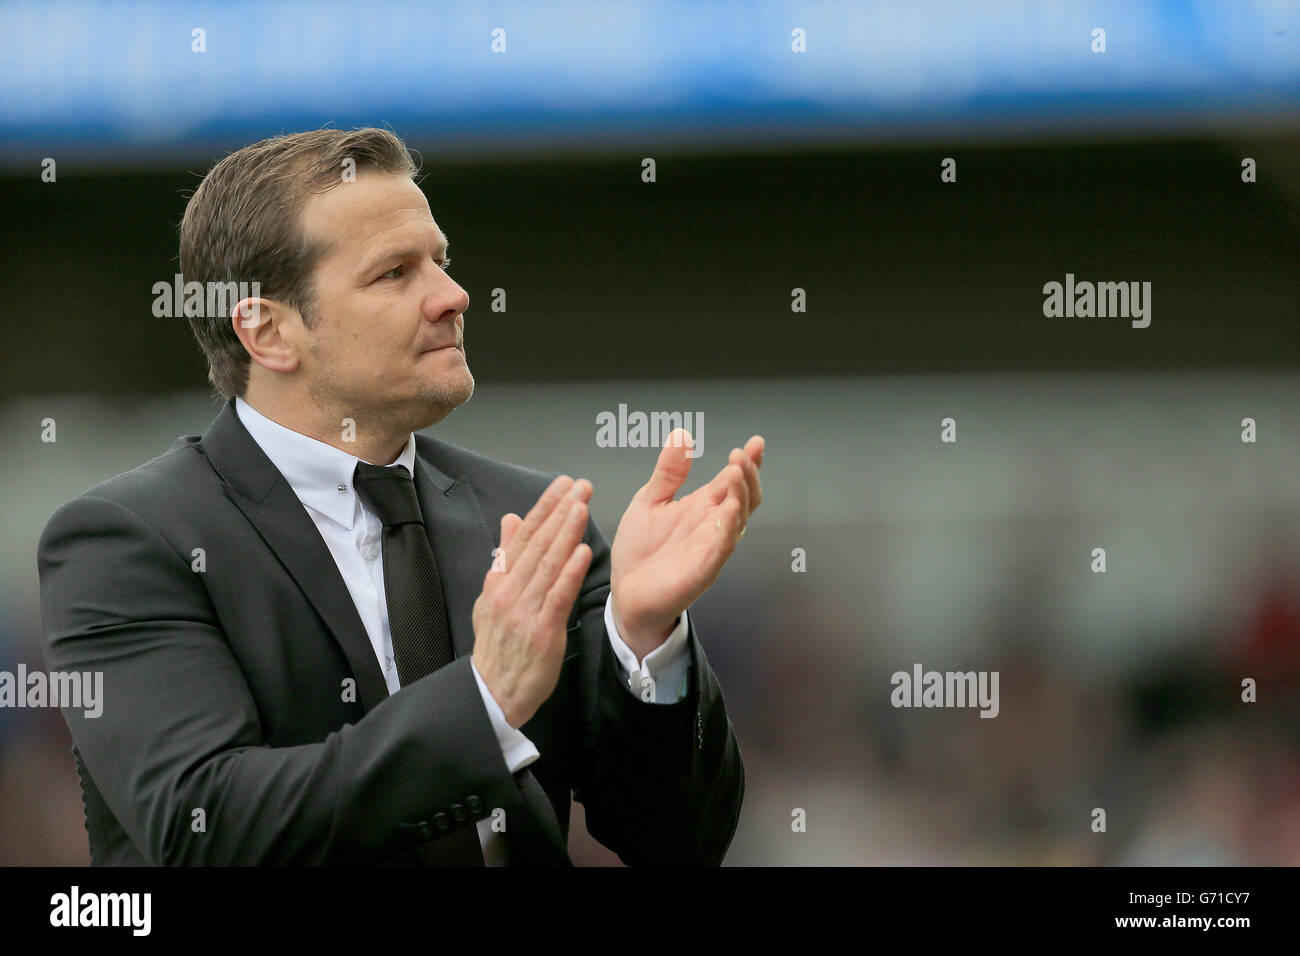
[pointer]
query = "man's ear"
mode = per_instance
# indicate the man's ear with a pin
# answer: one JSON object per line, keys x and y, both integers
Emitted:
{"x": 270, "y": 331}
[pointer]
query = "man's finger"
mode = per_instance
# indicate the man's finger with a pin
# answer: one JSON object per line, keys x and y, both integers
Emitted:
{"x": 510, "y": 525}
{"x": 748, "y": 466}
{"x": 755, "y": 447}
{"x": 560, "y": 598}
{"x": 739, "y": 488}
{"x": 671, "y": 469}
{"x": 525, "y": 564}
{"x": 723, "y": 481}
{"x": 733, "y": 520}
{"x": 537, "y": 516}
{"x": 550, "y": 564}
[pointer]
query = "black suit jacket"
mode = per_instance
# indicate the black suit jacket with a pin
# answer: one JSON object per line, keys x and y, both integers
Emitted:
{"x": 225, "y": 690}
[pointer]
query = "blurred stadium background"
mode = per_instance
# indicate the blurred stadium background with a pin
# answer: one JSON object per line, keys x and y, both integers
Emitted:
{"x": 775, "y": 170}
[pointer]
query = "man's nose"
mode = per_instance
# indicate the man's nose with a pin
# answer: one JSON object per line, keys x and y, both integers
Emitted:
{"x": 445, "y": 300}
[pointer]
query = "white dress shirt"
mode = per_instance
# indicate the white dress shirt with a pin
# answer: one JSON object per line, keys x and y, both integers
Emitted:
{"x": 321, "y": 477}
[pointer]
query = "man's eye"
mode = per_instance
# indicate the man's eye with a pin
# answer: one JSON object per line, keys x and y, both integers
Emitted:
{"x": 398, "y": 271}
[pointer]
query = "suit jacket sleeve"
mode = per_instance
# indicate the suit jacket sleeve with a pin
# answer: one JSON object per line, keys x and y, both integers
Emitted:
{"x": 180, "y": 732}
{"x": 662, "y": 784}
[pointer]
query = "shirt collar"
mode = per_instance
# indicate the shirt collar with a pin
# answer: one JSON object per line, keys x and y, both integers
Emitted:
{"x": 320, "y": 474}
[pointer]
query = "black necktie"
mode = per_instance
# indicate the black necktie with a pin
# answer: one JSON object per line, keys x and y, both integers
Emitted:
{"x": 417, "y": 612}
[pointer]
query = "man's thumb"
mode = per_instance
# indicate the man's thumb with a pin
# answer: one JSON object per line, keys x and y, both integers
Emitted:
{"x": 672, "y": 467}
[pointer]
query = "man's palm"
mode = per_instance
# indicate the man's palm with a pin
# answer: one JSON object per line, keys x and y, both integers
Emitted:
{"x": 667, "y": 552}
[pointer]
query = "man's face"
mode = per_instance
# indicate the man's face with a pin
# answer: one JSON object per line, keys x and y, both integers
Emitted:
{"x": 386, "y": 344}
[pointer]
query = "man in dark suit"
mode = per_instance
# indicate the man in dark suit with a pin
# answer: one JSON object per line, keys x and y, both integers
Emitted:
{"x": 315, "y": 648}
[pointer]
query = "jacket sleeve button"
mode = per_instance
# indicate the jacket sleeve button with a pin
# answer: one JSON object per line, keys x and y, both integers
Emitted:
{"x": 441, "y": 822}
{"x": 475, "y": 804}
{"x": 458, "y": 812}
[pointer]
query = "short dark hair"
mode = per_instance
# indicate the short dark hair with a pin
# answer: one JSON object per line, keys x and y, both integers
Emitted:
{"x": 244, "y": 224}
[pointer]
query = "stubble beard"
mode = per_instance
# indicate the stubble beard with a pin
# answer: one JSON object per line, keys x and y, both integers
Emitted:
{"x": 439, "y": 399}
{"x": 433, "y": 401}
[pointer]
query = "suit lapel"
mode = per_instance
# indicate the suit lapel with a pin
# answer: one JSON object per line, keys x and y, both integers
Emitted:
{"x": 461, "y": 541}
{"x": 258, "y": 489}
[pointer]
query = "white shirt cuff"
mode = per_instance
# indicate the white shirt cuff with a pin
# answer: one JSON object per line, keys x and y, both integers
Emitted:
{"x": 516, "y": 748}
{"x": 663, "y": 676}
